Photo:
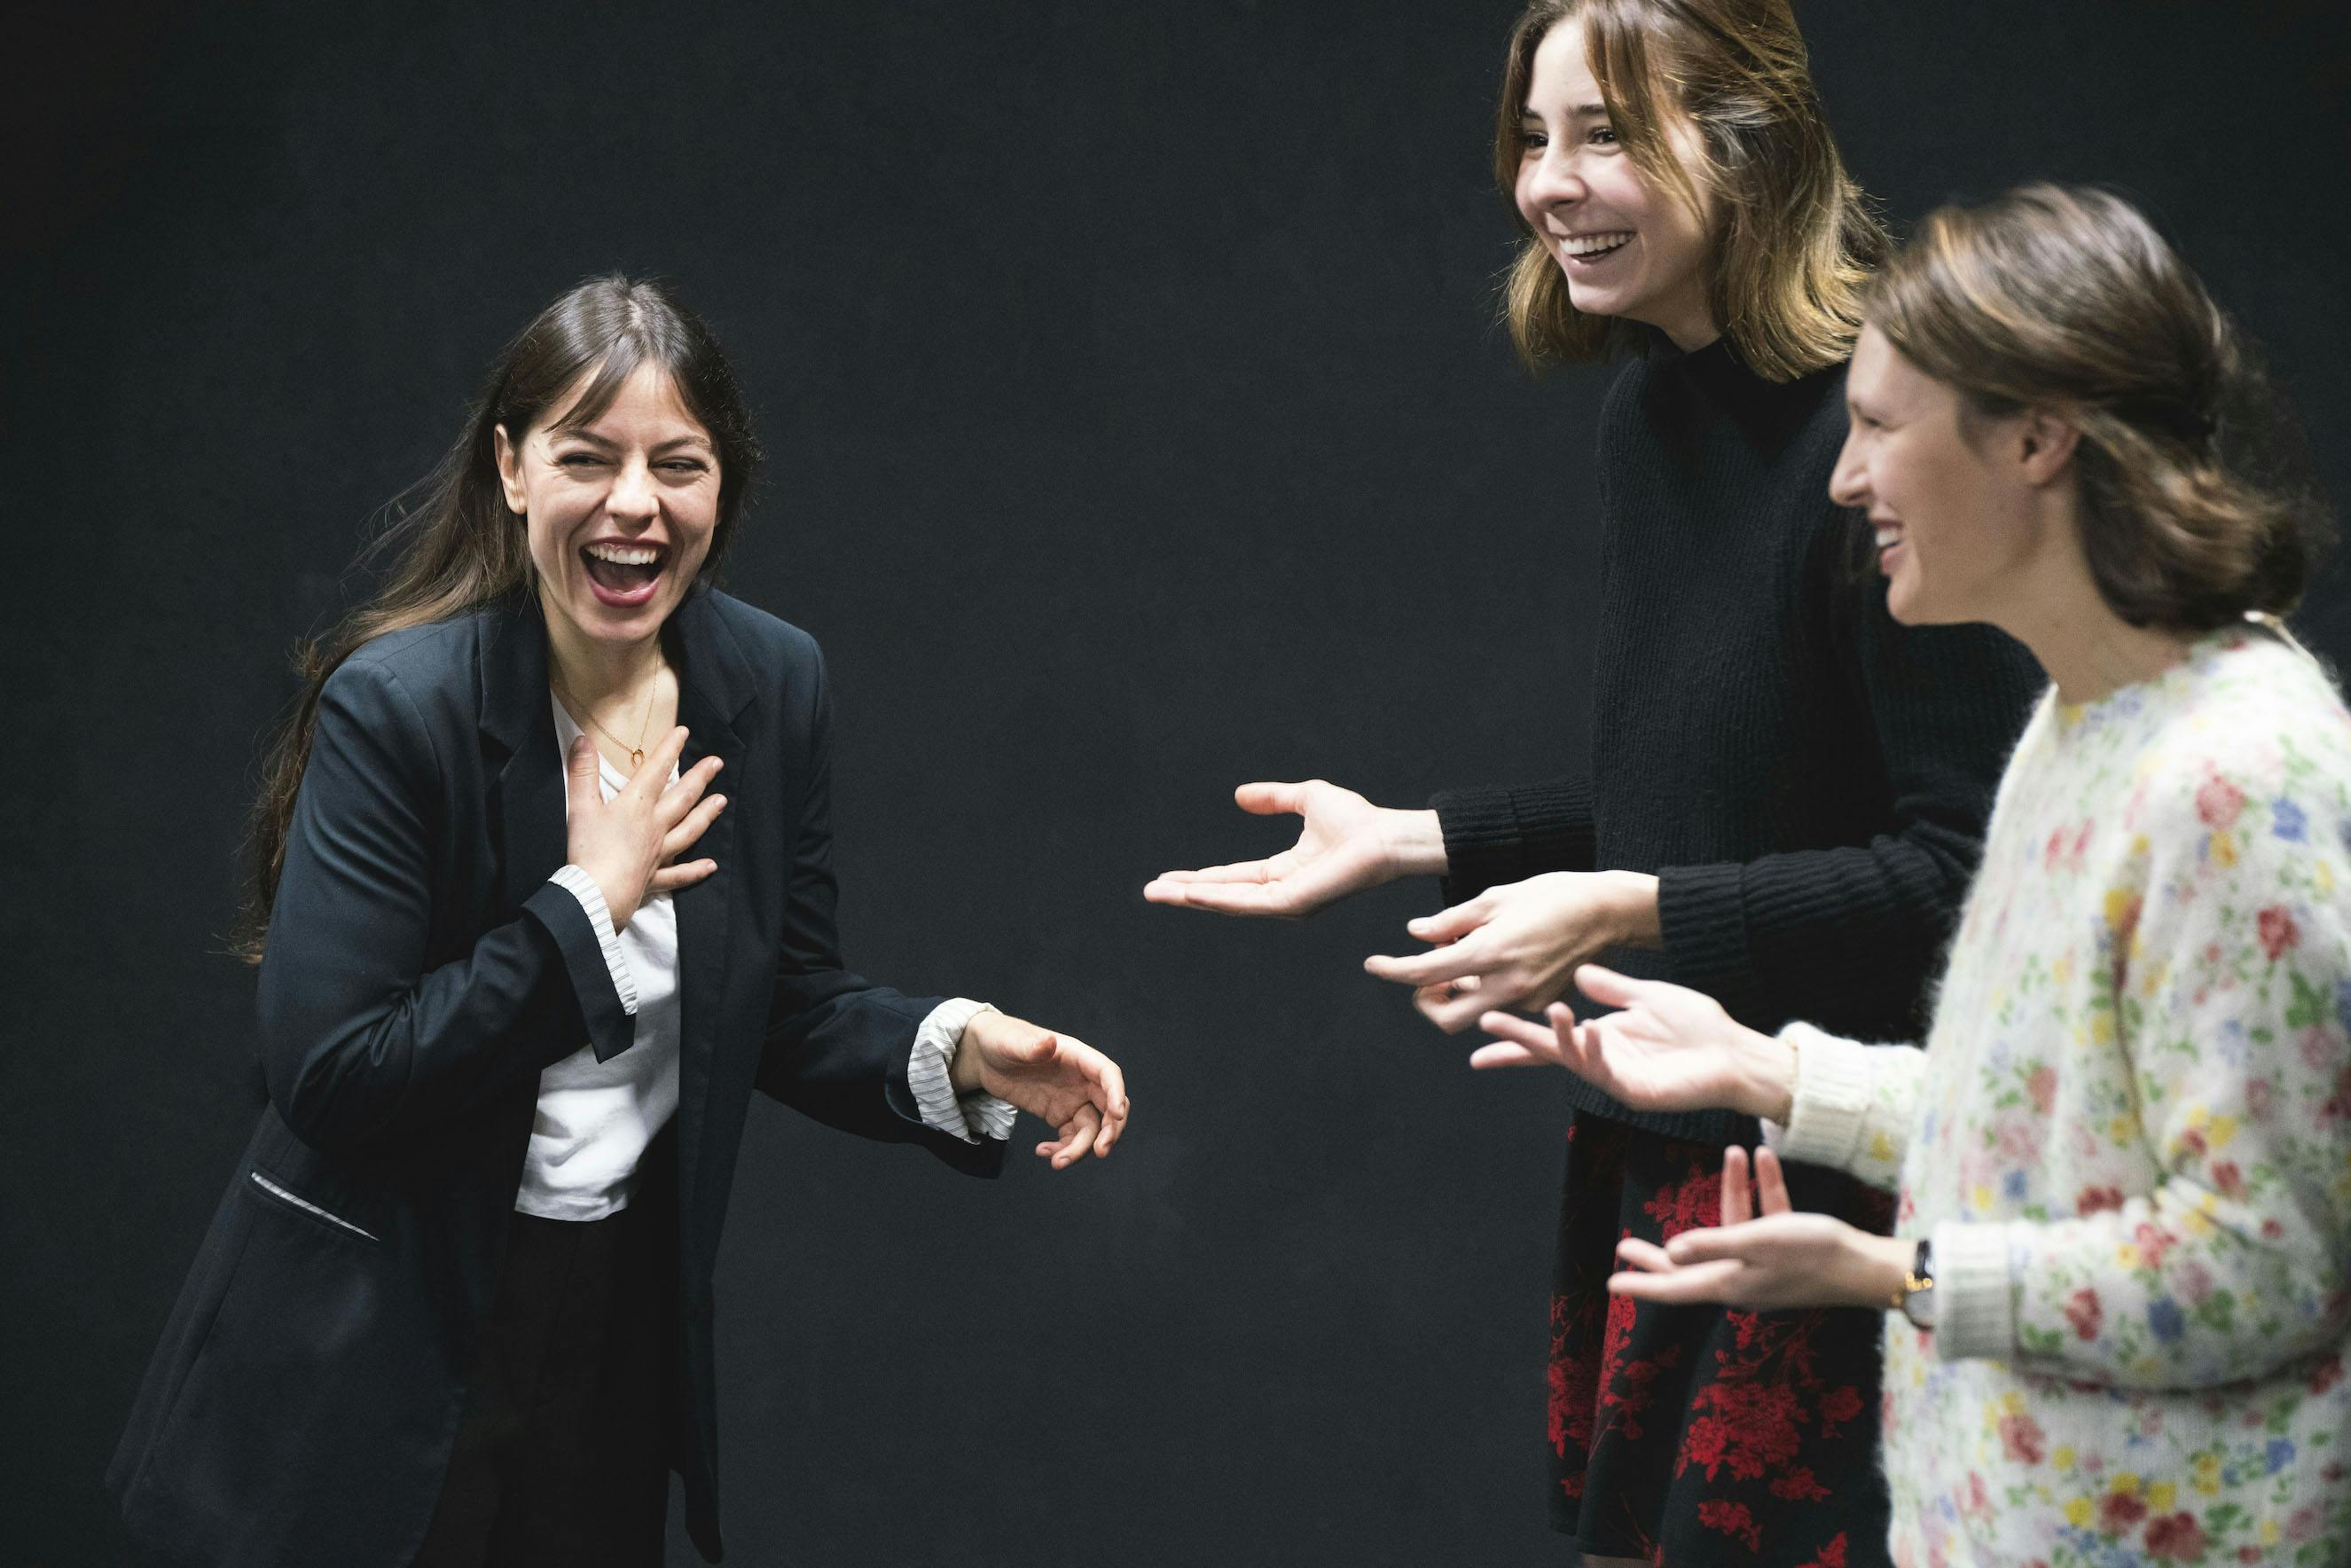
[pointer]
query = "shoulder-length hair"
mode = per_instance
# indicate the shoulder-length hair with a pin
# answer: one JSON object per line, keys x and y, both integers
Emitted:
{"x": 453, "y": 543}
{"x": 1794, "y": 238}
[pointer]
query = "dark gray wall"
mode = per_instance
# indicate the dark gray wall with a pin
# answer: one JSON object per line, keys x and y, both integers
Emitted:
{"x": 1139, "y": 428}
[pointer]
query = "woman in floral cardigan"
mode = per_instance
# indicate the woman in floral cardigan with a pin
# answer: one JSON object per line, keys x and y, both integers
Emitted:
{"x": 2124, "y": 1160}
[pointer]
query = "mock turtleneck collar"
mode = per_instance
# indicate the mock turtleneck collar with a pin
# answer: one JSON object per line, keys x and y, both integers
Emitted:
{"x": 1770, "y": 409}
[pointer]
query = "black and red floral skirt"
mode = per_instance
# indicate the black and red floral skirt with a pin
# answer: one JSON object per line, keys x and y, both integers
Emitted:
{"x": 1689, "y": 1436}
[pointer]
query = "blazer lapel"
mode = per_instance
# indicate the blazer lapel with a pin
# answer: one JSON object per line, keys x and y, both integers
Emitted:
{"x": 715, "y": 683}
{"x": 517, "y": 715}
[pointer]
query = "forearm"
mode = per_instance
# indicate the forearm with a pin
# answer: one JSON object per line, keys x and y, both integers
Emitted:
{"x": 346, "y": 1071}
{"x": 1844, "y": 937}
{"x": 1492, "y": 836}
{"x": 2176, "y": 1291}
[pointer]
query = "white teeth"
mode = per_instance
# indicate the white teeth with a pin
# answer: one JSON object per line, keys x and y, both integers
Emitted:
{"x": 622, "y": 555}
{"x": 1593, "y": 245}
{"x": 1887, "y": 537}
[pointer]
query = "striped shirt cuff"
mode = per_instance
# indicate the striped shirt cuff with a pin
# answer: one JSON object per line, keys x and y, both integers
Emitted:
{"x": 1832, "y": 1100}
{"x": 1975, "y": 1307}
{"x": 929, "y": 1075}
{"x": 582, "y": 886}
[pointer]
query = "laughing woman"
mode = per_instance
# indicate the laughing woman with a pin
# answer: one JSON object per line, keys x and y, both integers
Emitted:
{"x": 2125, "y": 1158}
{"x": 1786, "y": 790}
{"x": 520, "y": 976}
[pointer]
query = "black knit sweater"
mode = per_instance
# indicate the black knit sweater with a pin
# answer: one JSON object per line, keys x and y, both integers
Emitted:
{"x": 1808, "y": 779}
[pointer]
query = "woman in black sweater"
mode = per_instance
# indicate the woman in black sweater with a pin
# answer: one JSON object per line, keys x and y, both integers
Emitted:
{"x": 1787, "y": 791}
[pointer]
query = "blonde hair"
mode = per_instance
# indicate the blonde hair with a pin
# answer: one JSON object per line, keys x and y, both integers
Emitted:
{"x": 1794, "y": 238}
{"x": 2065, "y": 299}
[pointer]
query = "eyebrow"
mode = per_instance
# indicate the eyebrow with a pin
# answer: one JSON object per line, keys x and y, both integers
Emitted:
{"x": 592, "y": 438}
{"x": 1580, "y": 111}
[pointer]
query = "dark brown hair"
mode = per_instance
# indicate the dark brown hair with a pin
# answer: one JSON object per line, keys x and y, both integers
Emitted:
{"x": 2065, "y": 299}
{"x": 1794, "y": 237}
{"x": 452, "y": 543}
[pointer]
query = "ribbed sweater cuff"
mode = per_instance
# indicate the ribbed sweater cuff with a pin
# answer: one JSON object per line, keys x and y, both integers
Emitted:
{"x": 1497, "y": 835}
{"x": 1975, "y": 1303}
{"x": 1832, "y": 1100}
{"x": 1702, "y": 915}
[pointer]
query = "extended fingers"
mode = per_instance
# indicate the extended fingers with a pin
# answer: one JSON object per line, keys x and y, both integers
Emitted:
{"x": 1606, "y": 986}
{"x": 1735, "y": 1209}
{"x": 1451, "y": 925}
{"x": 678, "y": 798}
{"x": 1427, "y": 968}
{"x": 670, "y": 878}
{"x": 686, "y": 835}
{"x": 1705, "y": 1283}
{"x": 1220, "y": 897}
{"x": 1771, "y": 1182}
{"x": 1531, "y": 1041}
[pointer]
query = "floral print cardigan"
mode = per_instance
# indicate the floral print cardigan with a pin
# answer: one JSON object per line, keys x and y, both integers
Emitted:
{"x": 2130, "y": 1140}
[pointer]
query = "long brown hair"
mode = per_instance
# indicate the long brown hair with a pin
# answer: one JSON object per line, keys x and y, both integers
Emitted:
{"x": 2065, "y": 299}
{"x": 452, "y": 543}
{"x": 1794, "y": 238}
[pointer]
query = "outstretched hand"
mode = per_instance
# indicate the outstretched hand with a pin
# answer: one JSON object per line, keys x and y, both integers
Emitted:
{"x": 1344, "y": 845}
{"x": 1668, "y": 1049}
{"x": 1782, "y": 1259}
{"x": 1056, "y": 1078}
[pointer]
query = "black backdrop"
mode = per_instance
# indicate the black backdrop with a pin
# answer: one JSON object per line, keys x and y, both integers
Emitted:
{"x": 1138, "y": 427}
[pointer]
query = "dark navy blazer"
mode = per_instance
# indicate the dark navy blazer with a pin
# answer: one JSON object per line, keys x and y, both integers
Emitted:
{"x": 421, "y": 972}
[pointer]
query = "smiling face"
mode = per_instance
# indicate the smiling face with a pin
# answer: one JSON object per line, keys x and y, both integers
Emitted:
{"x": 1625, "y": 248}
{"x": 1953, "y": 504}
{"x": 619, "y": 511}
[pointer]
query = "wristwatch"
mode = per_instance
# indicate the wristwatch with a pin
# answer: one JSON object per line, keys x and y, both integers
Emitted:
{"x": 1917, "y": 1297}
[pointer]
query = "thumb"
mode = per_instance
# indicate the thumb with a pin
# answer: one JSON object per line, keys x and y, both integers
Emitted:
{"x": 1271, "y": 799}
{"x": 580, "y": 761}
{"x": 1606, "y": 986}
{"x": 1450, "y": 924}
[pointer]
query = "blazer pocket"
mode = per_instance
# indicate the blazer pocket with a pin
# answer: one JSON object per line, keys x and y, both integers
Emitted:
{"x": 272, "y": 1190}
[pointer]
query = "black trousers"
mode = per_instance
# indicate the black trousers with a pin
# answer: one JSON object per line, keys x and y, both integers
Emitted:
{"x": 561, "y": 1456}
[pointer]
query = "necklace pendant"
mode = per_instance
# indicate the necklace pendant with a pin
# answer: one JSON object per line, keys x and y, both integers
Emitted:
{"x": 636, "y": 758}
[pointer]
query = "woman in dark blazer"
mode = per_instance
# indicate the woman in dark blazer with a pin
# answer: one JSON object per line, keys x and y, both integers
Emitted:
{"x": 522, "y": 973}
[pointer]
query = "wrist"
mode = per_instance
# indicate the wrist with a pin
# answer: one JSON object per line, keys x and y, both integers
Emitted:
{"x": 1882, "y": 1269}
{"x": 1767, "y": 1076}
{"x": 1636, "y": 909}
{"x": 963, "y": 1074}
{"x": 1412, "y": 844}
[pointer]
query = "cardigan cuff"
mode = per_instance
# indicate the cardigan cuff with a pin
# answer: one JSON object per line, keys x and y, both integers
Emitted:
{"x": 1830, "y": 1102}
{"x": 1975, "y": 1305}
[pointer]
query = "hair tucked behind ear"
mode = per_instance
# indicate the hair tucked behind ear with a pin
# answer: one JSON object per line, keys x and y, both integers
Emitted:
{"x": 2065, "y": 298}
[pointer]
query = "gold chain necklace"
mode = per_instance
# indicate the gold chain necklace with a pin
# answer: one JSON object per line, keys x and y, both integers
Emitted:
{"x": 637, "y": 752}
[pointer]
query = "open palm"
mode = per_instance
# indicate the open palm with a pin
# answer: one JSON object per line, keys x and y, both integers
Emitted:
{"x": 1342, "y": 848}
{"x": 1669, "y": 1049}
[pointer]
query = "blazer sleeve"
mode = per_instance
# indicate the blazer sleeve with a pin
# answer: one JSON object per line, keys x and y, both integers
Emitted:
{"x": 838, "y": 1045}
{"x": 362, "y": 1039}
